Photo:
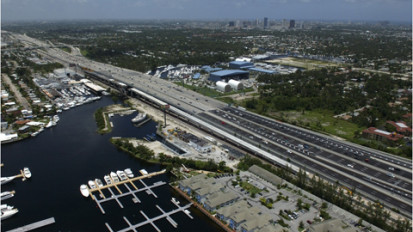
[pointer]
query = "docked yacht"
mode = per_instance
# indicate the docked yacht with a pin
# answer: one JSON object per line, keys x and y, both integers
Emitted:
{"x": 143, "y": 172}
{"x": 99, "y": 183}
{"x": 107, "y": 179}
{"x": 121, "y": 175}
{"x": 91, "y": 184}
{"x": 114, "y": 177}
{"x": 175, "y": 201}
{"x": 129, "y": 173}
{"x": 84, "y": 190}
{"x": 27, "y": 172}
{"x": 5, "y": 207}
{"x": 4, "y": 180}
{"x": 8, "y": 213}
{"x": 6, "y": 195}
{"x": 49, "y": 124}
{"x": 139, "y": 118}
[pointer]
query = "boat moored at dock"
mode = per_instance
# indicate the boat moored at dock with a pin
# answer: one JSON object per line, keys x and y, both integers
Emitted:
{"x": 6, "y": 195}
{"x": 114, "y": 177}
{"x": 129, "y": 173}
{"x": 8, "y": 213}
{"x": 99, "y": 182}
{"x": 107, "y": 179}
{"x": 4, "y": 180}
{"x": 91, "y": 184}
{"x": 121, "y": 175}
{"x": 27, "y": 173}
{"x": 139, "y": 118}
{"x": 84, "y": 190}
{"x": 143, "y": 172}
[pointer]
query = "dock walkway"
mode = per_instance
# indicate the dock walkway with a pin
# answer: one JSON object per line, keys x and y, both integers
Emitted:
{"x": 152, "y": 220}
{"x": 34, "y": 225}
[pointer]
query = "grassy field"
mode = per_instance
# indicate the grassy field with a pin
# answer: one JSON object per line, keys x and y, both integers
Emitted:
{"x": 211, "y": 92}
{"x": 303, "y": 63}
{"x": 320, "y": 120}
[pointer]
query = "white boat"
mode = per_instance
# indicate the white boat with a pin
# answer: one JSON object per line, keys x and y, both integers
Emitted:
{"x": 99, "y": 182}
{"x": 121, "y": 175}
{"x": 114, "y": 177}
{"x": 5, "y": 207}
{"x": 56, "y": 118}
{"x": 139, "y": 118}
{"x": 34, "y": 134}
{"x": 84, "y": 190}
{"x": 175, "y": 201}
{"x": 8, "y": 213}
{"x": 91, "y": 184}
{"x": 49, "y": 124}
{"x": 143, "y": 172}
{"x": 129, "y": 173}
{"x": 107, "y": 179}
{"x": 4, "y": 180}
{"x": 27, "y": 172}
{"x": 6, "y": 195}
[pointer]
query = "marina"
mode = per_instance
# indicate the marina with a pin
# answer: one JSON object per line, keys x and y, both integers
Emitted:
{"x": 24, "y": 174}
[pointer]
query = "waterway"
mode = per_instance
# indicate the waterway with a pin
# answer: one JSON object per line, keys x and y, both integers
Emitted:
{"x": 68, "y": 155}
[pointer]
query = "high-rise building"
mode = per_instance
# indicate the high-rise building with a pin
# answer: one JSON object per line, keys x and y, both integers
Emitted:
{"x": 265, "y": 22}
{"x": 292, "y": 23}
{"x": 284, "y": 23}
{"x": 231, "y": 24}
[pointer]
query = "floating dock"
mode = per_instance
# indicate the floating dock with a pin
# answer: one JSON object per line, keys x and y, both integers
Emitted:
{"x": 152, "y": 220}
{"x": 35, "y": 225}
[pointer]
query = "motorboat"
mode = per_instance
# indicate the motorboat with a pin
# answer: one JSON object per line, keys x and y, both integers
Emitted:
{"x": 99, "y": 183}
{"x": 129, "y": 173}
{"x": 84, "y": 190}
{"x": 8, "y": 213}
{"x": 107, "y": 179}
{"x": 6, "y": 195}
{"x": 139, "y": 118}
{"x": 4, "y": 180}
{"x": 49, "y": 124}
{"x": 56, "y": 118}
{"x": 143, "y": 172}
{"x": 121, "y": 175}
{"x": 114, "y": 177}
{"x": 175, "y": 201}
{"x": 27, "y": 172}
{"x": 91, "y": 184}
{"x": 5, "y": 207}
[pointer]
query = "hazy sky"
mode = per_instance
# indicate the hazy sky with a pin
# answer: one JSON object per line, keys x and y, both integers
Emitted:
{"x": 392, "y": 10}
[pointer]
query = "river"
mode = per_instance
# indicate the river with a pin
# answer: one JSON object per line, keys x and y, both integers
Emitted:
{"x": 63, "y": 157}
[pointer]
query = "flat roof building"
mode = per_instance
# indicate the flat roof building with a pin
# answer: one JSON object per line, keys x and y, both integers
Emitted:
{"x": 239, "y": 64}
{"x": 228, "y": 74}
{"x": 381, "y": 135}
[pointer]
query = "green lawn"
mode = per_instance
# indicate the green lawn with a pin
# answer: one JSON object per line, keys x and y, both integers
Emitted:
{"x": 320, "y": 120}
{"x": 250, "y": 188}
{"x": 66, "y": 49}
{"x": 212, "y": 92}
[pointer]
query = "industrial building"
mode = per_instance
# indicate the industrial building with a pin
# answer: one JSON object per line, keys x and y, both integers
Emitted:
{"x": 240, "y": 64}
{"x": 235, "y": 85}
{"x": 227, "y": 75}
{"x": 223, "y": 87}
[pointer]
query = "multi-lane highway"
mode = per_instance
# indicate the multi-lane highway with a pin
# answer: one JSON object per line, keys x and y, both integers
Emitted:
{"x": 376, "y": 174}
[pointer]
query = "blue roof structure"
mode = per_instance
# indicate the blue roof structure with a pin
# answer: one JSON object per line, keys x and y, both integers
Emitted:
{"x": 209, "y": 69}
{"x": 196, "y": 76}
{"x": 227, "y": 74}
{"x": 239, "y": 64}
{"x": 263, "y": 70}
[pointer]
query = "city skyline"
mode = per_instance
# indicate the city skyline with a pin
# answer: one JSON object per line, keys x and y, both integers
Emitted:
{"x": 348, "y": 10}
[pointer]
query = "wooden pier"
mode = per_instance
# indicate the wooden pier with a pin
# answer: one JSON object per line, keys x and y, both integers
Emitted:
{"x": 34, "y": 225}
{"x": 152, "y": 220}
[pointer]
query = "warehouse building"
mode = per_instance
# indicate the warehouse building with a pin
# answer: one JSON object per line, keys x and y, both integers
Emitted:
{"x": 227, "y": 75}
{"x": 240, "y": 64}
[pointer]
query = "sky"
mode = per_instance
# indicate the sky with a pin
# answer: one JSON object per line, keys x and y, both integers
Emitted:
{"x": 354, "y": 10}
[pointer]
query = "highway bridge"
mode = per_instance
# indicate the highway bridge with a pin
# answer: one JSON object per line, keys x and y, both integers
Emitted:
{"x": 375, "y": 174}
